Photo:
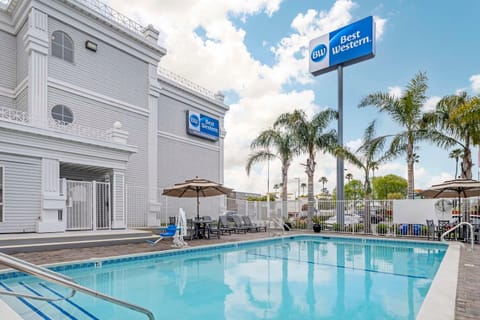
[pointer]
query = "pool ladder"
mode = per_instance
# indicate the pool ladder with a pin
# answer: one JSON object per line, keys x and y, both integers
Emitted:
{"x": 472, "y": 236}
{"x": 60, "y": 279}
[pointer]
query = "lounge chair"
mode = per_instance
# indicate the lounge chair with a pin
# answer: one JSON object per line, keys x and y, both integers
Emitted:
{"x": 248, "y": 223}
{"x": 169, "y": 233}
{"x": 224, "y": 226}
{"x": 239, "y": 226}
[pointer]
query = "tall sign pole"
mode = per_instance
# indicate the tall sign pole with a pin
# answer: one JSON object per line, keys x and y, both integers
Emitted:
{"x": 335, "y": 50}
{"x": 340, "y": 169}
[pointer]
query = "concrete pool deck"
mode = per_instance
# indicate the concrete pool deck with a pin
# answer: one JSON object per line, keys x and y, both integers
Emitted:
{"x": 467, "y": 306}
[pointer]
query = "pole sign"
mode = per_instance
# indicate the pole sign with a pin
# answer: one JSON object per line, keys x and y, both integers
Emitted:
{"x": 344, "y": 46}
{"x": 202, "y": 126}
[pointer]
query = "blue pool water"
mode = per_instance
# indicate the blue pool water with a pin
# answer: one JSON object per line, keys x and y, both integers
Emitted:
{"x": 295, "y": 278}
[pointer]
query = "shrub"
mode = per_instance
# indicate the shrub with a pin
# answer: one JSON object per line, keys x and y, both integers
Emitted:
{"x": 382, "y": 228}
{"x": 319, "y": 219}
{"x": 395, "y": 228}
{"x": 337, "y": 227}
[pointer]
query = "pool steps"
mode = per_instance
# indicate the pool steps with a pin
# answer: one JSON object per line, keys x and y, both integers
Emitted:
{"x": 30, "y": 309}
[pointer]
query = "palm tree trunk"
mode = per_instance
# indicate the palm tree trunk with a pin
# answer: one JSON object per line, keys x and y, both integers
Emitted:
{"x": 410, "y": 163}
{"x": 367, "y": 190}
{"x": 310, "y": 170}
{"x": 467, "y": 163}
{"x": 284, "y": 190}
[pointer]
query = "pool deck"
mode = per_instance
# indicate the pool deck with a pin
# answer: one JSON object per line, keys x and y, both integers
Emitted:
{"x": 468, "y": 287}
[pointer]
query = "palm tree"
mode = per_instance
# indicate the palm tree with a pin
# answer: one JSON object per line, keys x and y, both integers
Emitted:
{"x": 271, "y": 144}
{"x": 349, "y": 177}
{"x": 310, "y": 136}
{"x": 303, "y": 185}
{"x": 406, "y": 110}
{"x": 323, "y": 180}
{"x": 367, "y": 158}
{"x": 457, "y": 118}
{"x": 455, "y": 154}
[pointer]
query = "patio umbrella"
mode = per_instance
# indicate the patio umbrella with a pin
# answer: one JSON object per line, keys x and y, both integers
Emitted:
{"x": 454, "y": 188}
{"x": 196, "y": 188}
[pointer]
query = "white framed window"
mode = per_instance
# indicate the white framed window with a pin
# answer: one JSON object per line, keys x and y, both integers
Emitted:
{"x": 62, "y": 46}
{"x": 2, "y": 183}
{"x": 62, "y": 114}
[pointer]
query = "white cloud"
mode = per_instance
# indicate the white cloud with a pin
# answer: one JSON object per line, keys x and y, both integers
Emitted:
{"x": 395, "y": 91}
{"x": 258, "y": 86}
{"x": 379, "y": 27}
{"x": 475, "y": 81}
{"x": 431, "y": 103}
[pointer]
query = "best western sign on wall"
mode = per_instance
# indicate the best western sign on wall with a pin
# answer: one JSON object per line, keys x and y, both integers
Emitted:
{"x": 345, "y": 46}
{"x": 202, "y": 126}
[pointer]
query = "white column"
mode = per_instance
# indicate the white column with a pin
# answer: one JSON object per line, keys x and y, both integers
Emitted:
{"x": 53, "y": 213}
{"x": 37, "y": 46}
{"x": 119, "y": 218}
{"x": 153, "y": 94}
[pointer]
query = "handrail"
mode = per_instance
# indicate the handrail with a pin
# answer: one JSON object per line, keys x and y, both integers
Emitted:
{"x": 442, "y": 238}
{"x": 48, "y": 275}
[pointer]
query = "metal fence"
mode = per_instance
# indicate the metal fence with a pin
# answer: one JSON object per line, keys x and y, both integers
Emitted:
{"x": 362, "y": 217}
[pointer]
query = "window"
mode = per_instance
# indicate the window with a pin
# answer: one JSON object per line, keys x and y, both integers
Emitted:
{"x": 62, "y": 114}
{"x": 62, "y": 46}
{"x": 2, "y": 179}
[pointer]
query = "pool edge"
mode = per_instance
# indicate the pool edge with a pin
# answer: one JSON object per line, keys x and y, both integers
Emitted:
{"x": 440, "y": 301}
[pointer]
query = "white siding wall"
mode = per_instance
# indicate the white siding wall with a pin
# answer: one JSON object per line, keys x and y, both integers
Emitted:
{"x": 21, "y": 102}
{"x": 22, "y": 61}
{"x": 22, "y": 189}
{"x": 101, "y": 116}
{"x": 8, "y": 53}
{"x": 6, "y": 102}
{"x": 108, "y": 71}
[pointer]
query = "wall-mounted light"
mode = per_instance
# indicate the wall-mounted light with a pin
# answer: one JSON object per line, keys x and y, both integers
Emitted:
{"x": 91, "y": 45}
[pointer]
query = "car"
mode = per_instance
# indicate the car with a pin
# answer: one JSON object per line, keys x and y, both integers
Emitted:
{"x": 349, "y": 219}
{"x": 374, "y": 218}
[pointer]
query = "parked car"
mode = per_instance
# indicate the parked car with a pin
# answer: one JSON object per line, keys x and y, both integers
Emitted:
{"x": 374, "y": 218}
{"x": 349, "y": 219}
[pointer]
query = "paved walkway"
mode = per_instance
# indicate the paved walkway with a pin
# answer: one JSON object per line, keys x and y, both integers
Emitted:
{"x": 468, "y": 289}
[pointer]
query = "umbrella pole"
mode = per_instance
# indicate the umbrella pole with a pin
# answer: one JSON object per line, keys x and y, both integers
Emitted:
{"x": 198, "y": 206}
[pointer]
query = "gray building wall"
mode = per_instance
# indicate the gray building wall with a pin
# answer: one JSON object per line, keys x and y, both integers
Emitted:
{"x": 8, "y": 52}
{"x": 172, "y": 118}
{"x": 108, "y": 71}
{"x": 22, "y": 61}
{"x": 22, "y": 187}
{"x": 178, "y": 161}
{"x": 102, "y": 116}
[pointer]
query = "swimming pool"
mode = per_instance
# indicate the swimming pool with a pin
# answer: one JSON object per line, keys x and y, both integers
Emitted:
{"x": 302, "y": 277}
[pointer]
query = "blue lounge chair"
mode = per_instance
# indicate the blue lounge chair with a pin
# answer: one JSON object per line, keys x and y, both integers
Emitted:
{"x": 169, "y": 233}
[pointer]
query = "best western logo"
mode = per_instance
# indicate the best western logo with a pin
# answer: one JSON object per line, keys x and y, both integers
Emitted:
{"x": 194, "y": 120}
{"x": 319, "y": 53}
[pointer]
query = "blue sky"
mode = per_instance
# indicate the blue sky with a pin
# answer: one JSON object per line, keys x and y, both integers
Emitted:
{"x": 256, "y": 52}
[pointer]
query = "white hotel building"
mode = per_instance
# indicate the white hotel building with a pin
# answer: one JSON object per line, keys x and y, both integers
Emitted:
{"x": 90, "y": 130}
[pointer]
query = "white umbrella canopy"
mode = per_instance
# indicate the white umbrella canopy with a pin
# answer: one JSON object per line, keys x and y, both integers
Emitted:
{"x": 457, "y": 188}
{"x": 196, "y": 188}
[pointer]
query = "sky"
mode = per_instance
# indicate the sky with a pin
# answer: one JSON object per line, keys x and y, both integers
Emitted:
{"x": 256, "y": 53}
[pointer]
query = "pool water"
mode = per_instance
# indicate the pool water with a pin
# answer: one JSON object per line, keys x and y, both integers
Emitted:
{"x": 295, "y": 278}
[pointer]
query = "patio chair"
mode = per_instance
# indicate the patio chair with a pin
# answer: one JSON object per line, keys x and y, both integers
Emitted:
{"x": 209, "y": 227}
{"x": 431, "y": 231}
{"x": 248, "y": 223}
{"x": 224, "y": 226}
{"x": 169, "y": 233}
{"x": 239, "y": 226}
